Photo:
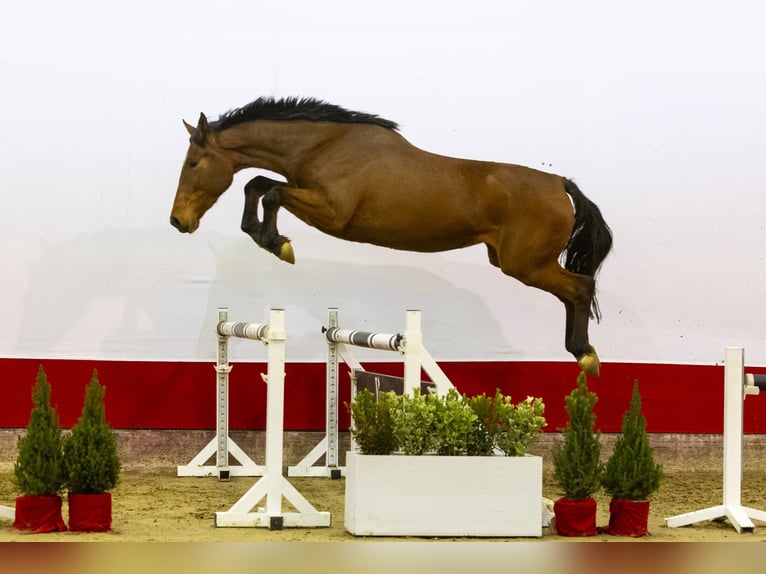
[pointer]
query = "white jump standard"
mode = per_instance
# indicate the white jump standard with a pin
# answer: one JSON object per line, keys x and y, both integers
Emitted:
{"x": 222, "y": 444}
{"x": 272, "y": 485}
{"x": 339, "y": 347}
{"x": 8, "y": 512}
{"x": 737, "y": 386}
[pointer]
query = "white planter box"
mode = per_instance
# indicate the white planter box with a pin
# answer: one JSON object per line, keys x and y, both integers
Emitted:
{"x": 398, "y": 495}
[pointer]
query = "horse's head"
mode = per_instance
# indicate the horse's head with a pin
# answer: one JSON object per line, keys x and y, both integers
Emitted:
{"x": 207, "y": 172}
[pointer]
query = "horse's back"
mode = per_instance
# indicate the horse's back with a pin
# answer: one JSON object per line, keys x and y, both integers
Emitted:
{"x": 390, "y": 192}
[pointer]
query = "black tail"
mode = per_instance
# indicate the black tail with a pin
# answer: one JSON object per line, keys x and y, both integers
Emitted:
{"x": 591, "y": 238}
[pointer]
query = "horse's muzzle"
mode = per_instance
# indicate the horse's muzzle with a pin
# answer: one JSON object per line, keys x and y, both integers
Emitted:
{"x": 175, "y": 222}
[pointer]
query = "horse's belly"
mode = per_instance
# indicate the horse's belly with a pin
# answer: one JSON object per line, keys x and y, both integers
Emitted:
{"x": 423, "y": 236}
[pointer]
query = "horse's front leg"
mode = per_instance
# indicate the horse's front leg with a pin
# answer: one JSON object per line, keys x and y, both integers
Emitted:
{"x": 271, "y": 240}
{"x": 256, "y": 189}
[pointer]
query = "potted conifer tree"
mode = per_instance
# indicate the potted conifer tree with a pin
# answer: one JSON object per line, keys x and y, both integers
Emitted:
{"x": 631, "y": 475}
{"x": 38, "y": 471}
{"x": 91, "y": 463}
{"x": 577, "y": 465}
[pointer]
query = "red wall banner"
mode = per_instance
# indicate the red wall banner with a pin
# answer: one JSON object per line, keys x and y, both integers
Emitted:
{"x": 179, "y": 395}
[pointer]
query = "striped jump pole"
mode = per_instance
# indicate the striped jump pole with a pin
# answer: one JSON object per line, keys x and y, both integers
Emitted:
{"x": 379, "y": 341}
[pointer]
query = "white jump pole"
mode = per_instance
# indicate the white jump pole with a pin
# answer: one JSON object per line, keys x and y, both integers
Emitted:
{"x": 737, "y": 386}
{"x": 8, "y": 512}
{"x": 221, "y": 445}
{"x": 272, "y": 485}
{"x": 339, "y": 348}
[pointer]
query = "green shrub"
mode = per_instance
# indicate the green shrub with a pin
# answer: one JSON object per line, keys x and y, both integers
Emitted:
{"x": 453, "y": 425}
{"x": 373, "y": 428}
{"x": 449, "y": 425}
{"x": 518, "y": 425}
{"x": 38, "y": 469}
{"x": 502, "y": 426}
{"x": 413, "y": 418}
{"x": 631, "y": 471}
{"x": 482, "y": 439}
{"x": 91, "y": 462}
{"x": 577, "y": 465}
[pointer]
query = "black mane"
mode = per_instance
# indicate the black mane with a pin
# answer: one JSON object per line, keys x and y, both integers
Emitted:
{"x": 298, "y": 109}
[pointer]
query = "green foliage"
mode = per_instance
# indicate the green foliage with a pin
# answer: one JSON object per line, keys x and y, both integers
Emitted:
{"x": 373, "y": 428}
{"x": 577, "y": 465}
{"x": 631, "y": 471}
{"x": 449, "y": 425}
{"x": 501, "y": 425}
{"x": 520, "y": 426}
{"x": 413, "y": 418}
{"x": 485, "y": 426}
{"x": 91, "y": 462}
{"x": 453, "y": 425}
{"x": 38, "y": 469}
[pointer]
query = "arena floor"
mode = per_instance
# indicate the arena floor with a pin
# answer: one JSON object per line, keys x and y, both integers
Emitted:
{"x": 152, "y": 504}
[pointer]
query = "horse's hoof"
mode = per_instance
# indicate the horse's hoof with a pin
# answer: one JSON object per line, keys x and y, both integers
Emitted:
{"x": 286, "y": 252}
{"x": 589, "y": 363}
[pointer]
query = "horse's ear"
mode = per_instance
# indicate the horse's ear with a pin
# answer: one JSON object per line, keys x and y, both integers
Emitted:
{"x": 199, "y": 135}
{"x": 202, "y": 127}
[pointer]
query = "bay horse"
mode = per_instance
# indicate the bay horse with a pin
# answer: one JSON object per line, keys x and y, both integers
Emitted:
{"x": 352, "y": 175}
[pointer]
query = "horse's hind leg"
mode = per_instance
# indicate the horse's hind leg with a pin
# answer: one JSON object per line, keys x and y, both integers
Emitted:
{"x": 577, "y": 343}
{"x": 574, "y": 290}
{"x": 265, "y": 235}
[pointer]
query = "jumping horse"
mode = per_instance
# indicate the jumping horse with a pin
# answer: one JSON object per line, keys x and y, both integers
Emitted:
{"x": 352, "y": 175}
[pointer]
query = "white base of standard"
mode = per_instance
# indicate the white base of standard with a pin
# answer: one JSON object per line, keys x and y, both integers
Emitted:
{"x": 272, "y": 488}
{"x": 198, "y": 467}
{"x": 8, "y": 512}
{"x": 739, "y": 516}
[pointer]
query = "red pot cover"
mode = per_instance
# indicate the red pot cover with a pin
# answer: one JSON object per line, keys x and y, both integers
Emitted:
{"x": 628, "y": 517}
{"x": 575, "y": 517}
{"x": 39, "y": 514}
{"x": 90, "y": 512}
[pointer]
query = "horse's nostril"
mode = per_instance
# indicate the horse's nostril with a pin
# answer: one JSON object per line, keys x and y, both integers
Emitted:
{"x": 174, "y": 221}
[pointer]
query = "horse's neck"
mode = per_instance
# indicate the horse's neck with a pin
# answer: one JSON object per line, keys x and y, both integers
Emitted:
{"x": 281, "y": 147}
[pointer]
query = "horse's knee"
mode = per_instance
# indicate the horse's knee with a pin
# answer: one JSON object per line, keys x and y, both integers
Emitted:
{"x": 259, "y": 185}
{"x": 272, "y": 199}
{"x": 251, "y": 186}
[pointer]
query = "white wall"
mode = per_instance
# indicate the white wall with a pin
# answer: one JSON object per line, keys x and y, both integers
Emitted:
{"x": 656, "y": 109}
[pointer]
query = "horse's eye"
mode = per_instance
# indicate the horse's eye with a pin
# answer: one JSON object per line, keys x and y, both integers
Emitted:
{"x": 193, "y": 163}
